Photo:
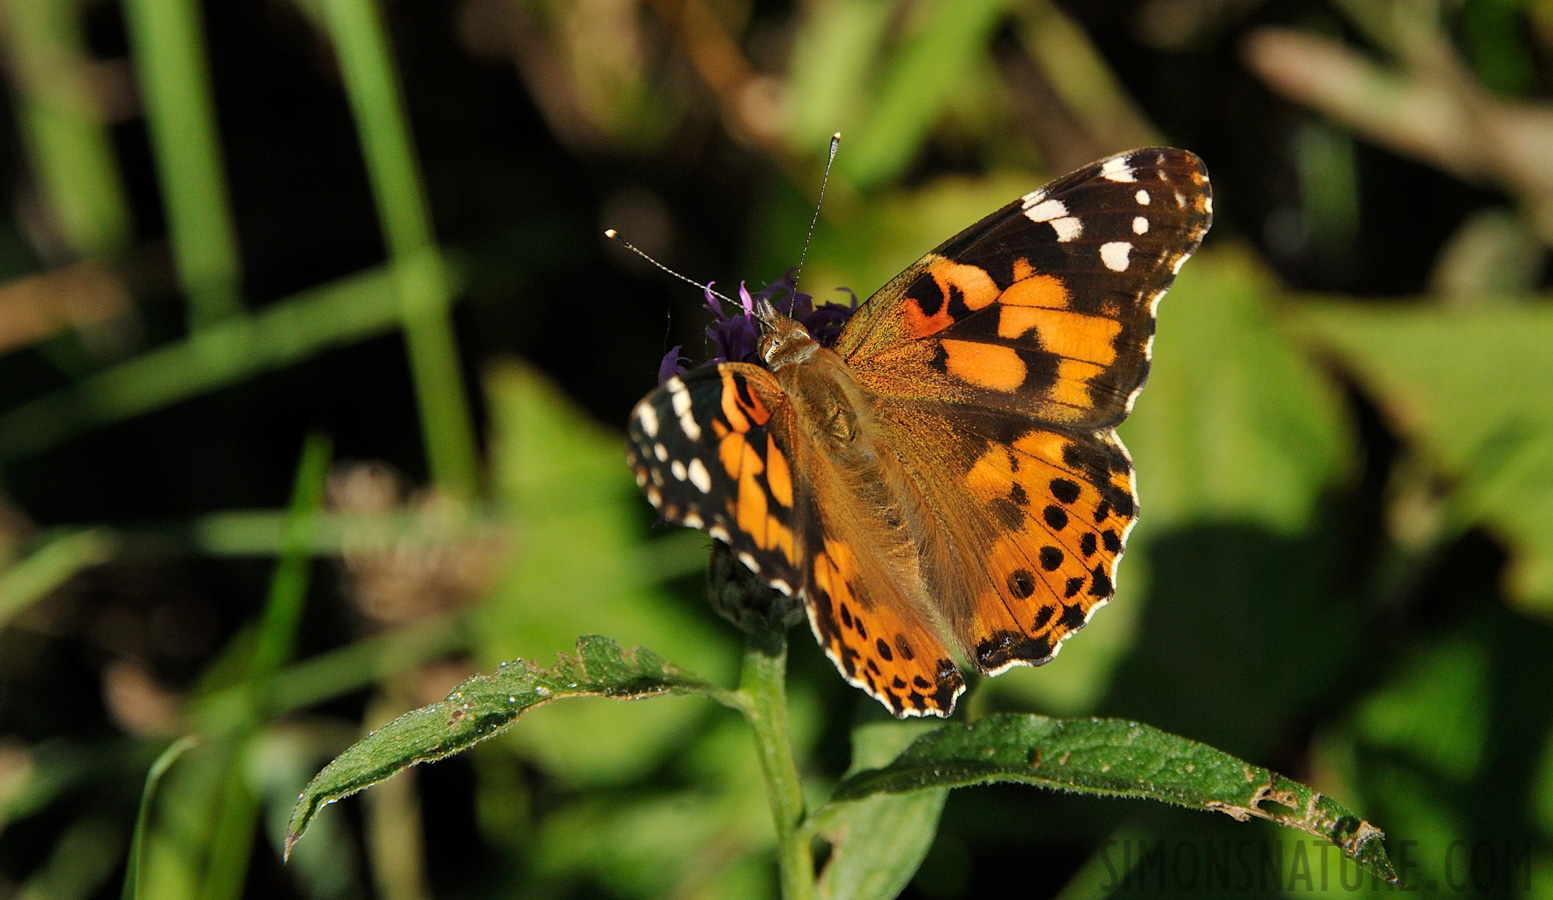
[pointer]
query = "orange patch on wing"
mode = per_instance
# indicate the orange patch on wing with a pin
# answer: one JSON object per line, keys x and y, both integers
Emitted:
{"x": 993, "y": 473}
{"x": 1027, "y": 304}
{"x": 752, "y": 500}
{"x": 1078, "y": 336}
{"x": 1022, "y": 269}
{"x": 879, "y": 642}
{"x": 1072, "y": 386}
{"x": 740, "y": 414}
{"x": 780, "y": 537}
{"x": 990, "y": 366}
{"x": 920, "y": 325}
{"x": 1013, "y": 553}
{"x": 1043, "y": 291}
{"x": 779, "y": 477}
{"x": 1047, "y": 445}
{"x": 834, "y": 570}
{"x": 971, "y": 283}
{"x": 752, "y": 512}
{"x": 731, "y": 453}
{"x": 1014, "y": 321}
{"x": 974, "y": 285}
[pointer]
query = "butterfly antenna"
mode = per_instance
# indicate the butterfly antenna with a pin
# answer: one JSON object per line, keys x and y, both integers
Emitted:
{"x": 615, "y": 236}
{"x": 835, "y": 144}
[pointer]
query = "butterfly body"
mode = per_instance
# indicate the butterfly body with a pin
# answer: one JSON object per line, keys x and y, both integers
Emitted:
{"x": 948, "y": 475}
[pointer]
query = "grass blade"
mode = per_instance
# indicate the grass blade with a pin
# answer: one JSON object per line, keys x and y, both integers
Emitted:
{"x": 180, "y": 114}
{"x": 372, "y": 86}
{"x": 137, "y": 842}
{"x": 50, "y": 566}
{"x": 232, "y": 837}
{"x": 63, "y": 126}
{"x": 295, "y": 329}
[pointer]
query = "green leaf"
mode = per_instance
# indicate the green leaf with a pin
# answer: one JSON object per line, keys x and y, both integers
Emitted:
{"x": 564, "y": 483}
{"x": 1470, "y": 386}
{"x": 485, "y": 705}
{"x": 1235, "y": 422}
{"x": 1115, "y": 758}
{"x": 878, "y": 842}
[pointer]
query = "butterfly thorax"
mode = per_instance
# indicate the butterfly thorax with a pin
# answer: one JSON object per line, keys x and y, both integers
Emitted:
{"x": 830, "y": 406}
{"x": 867, "y": 486}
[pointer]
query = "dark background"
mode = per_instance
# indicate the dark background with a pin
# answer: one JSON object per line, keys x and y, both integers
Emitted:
{"x": 1347, "y": 449}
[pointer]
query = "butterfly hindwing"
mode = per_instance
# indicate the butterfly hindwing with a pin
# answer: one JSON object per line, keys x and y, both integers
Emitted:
{"x": 1037, "y": 519}
{"x": 1046, "y": 307}
{"x": 878, "y": 641}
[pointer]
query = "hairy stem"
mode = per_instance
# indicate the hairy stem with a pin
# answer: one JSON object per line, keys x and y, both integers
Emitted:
{"x": 764, "y": 690}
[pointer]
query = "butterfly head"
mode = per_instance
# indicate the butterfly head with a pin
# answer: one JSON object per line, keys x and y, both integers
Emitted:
{"x": 783, "y": 340}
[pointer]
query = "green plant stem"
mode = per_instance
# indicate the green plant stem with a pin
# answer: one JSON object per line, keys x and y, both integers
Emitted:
{"x": 764, "y": 690}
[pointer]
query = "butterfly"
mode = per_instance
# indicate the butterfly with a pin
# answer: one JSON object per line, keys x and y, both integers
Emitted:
{"x": 946, "y": 480}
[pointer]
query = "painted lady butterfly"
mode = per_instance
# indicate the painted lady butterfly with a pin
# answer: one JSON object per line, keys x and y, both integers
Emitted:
{"x": 949, "y": 474}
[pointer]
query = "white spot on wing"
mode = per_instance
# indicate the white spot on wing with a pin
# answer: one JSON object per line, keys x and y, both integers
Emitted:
{"x": 1175, "y": 267}
{"x": 1114, "y": 255}
{"x": 699, "y": 476}
{"x": 680, "y": 396}
{"x": 1140, "y": 225}
{"x": 677, "y": 469}
{"x": 691, "y": 520}
{"x": 1117, "y": 170}
{"x": 1044, "y": 210}
{"x": 1142, "y": 197}
{"x": 648, "y": 417}
{"x": 1207, "y": 204}
{"x": 661, "y": 452}
{"x": 781, "y": 587}
{"x": 1054, "y": 212}
{"x": 749, "y": 562}
{"x": 717, "y": 533}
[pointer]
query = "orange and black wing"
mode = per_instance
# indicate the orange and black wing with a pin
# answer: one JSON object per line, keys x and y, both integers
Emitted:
{"x": 1003, "y": 362}
{"x": 710, "y": 449}
{"x": 1046, "y": 307}
{"x": 1030, "y": 521}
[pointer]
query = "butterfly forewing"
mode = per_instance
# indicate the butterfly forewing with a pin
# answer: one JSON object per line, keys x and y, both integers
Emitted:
{"x": 711, "y": 451}
{"x": 1046, "y": 307}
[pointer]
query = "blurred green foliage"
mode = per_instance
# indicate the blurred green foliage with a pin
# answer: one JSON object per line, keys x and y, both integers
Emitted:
{"x": 234, "y": 225}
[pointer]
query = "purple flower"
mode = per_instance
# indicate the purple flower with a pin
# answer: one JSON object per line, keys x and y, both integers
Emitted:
{"x": 736, "y": 336}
